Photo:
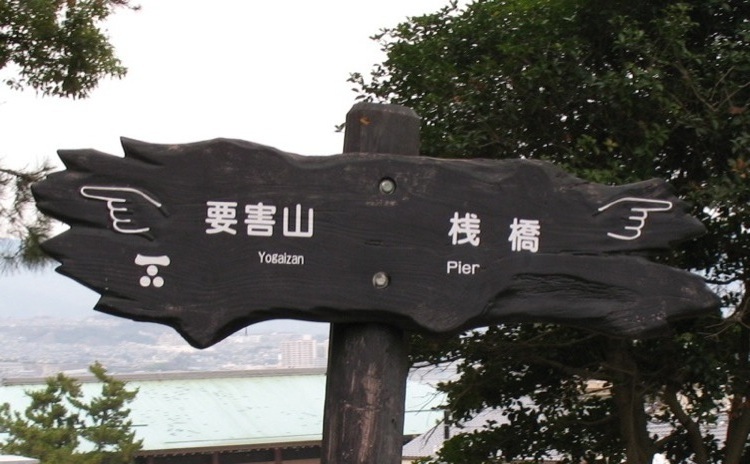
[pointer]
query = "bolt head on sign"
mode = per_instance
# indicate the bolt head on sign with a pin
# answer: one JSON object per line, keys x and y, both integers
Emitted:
{"x": 213, "y": 236}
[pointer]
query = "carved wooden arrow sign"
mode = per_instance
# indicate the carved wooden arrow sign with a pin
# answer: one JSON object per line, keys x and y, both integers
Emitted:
{"x": 210, "y": 237}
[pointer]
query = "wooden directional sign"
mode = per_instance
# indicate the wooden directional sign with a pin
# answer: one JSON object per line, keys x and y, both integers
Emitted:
{"x": 210, "y": 237}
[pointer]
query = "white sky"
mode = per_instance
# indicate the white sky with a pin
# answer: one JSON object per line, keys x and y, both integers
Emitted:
{"x": 271, "y": 72}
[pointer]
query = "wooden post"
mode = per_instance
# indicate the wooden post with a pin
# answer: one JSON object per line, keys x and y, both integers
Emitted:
{"x": 367, "y": 362}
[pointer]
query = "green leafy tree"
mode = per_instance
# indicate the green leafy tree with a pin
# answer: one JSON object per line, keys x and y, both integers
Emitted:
{"x": 20, "y": 219}
{"x": 614, "y": 92}
{"x": 62, "y": 426}
{"x": 57, "y": 48}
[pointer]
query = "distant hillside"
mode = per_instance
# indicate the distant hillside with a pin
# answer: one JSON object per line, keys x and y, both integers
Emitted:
{"x": 42, "y": 292}
{"x": 45, "y": 293}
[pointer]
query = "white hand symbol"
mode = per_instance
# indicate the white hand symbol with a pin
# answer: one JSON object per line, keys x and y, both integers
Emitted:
{"x": 641, "y": 214}
{"x": 118, "y": 199}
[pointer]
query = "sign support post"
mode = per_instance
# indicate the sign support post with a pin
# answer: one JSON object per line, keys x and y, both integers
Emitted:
{"x": 368, "y": 362}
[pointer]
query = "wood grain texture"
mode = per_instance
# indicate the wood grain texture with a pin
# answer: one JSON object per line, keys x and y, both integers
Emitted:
{"x": 217, "y": 283}
{"x": 365, "y": 394}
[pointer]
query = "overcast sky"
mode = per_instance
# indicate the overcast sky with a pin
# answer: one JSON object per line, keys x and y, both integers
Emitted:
{"x": 271, "y": 72}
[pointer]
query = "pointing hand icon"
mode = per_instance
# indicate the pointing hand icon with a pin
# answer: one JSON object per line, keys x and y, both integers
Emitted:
{"x": 120, "y": 201}
{"x": 640, "y": 209}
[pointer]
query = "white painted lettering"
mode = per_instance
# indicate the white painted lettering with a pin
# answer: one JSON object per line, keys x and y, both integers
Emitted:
{"x": 281, "y": 258}
{"x": 461, "y": 268}
{"x": 298, "y": 232}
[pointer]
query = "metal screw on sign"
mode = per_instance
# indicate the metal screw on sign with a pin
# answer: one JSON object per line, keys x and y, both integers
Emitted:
{"x": 380, "y": 280}
{"x": 387, "y": 186}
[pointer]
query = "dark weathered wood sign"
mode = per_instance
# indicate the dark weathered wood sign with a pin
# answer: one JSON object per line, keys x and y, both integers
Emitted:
{"x": 210, "y": 237}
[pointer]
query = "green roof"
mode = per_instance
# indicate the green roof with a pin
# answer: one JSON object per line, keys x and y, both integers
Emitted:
{"x": 225, "y": 409}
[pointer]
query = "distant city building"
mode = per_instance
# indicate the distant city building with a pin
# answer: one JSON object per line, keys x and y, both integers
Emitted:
{"x": 322, "y": 350}
{"x": 302, "y": 353}
{"x": 42, "y": 347}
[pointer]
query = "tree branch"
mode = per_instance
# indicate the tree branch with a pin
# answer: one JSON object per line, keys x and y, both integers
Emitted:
{"x": 695, "y": 437}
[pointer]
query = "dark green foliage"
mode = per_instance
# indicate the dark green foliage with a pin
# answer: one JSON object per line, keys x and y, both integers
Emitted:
{"x": 19, "y": 218}
{"x": 614, "y": 92}
{"x": 57, "y": 47}
{"x": 62, "y": 426}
